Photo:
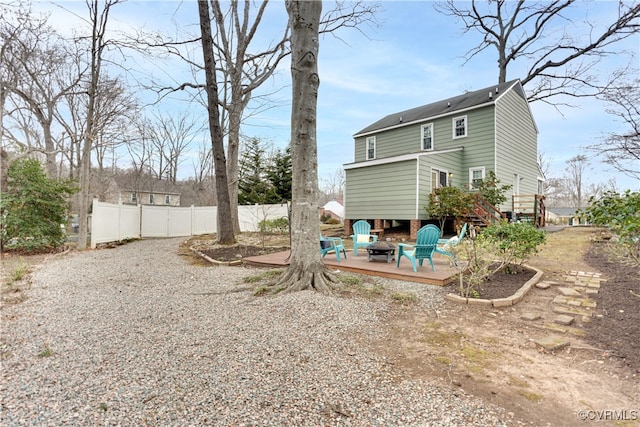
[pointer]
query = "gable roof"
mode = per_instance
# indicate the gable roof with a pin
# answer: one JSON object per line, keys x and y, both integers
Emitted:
{"x": 469, "y": 100}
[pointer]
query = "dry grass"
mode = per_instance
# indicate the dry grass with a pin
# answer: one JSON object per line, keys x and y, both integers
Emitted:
{"x": 568, "y": 244}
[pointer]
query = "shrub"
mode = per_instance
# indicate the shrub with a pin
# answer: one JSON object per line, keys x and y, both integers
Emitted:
{"x": 515, "y": 242}
{"x": 449, "y": 201}
{"x": 33, "y": 209}
{"x": 508, "y": 243}
{"x": 274, "y": 226}
{"x": 619, "y": 213}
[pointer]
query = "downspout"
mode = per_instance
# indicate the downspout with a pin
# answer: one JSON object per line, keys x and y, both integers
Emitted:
{"x": 417, "y": 185}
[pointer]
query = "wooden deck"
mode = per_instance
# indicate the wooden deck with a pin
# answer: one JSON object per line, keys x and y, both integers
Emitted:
{"x": 443, "y": 275}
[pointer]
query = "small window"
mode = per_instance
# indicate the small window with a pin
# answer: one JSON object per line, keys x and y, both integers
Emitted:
{"x": 439, "y": 179}
{"x": 167, "y": 199}
{"x": 134, "y": 198}
{"x": 150, "y": 199}
{"x": 371, "y": 148}
{"x": 460, "y": 127}
{"x": 476, "y": 176}
{"x": 427, "y": 137}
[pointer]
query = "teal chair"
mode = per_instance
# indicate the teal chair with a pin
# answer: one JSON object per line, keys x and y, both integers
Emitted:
{"x": 362, "y": 236}
{"x": 332, "y": 244}
{"x": 445, "y": 245}
{"x": 426, "y": 243}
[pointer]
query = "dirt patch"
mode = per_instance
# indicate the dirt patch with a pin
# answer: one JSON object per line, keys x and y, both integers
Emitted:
{"x": 617, "y": 327}
{"x": 492, "y": 353}
{"x": 237, "y": 252}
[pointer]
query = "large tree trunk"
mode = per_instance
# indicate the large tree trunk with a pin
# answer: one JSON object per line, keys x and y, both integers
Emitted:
{"x": 99, "y": 24}
{"x": 306, "y": 269}
{"x": 225, "y": 233}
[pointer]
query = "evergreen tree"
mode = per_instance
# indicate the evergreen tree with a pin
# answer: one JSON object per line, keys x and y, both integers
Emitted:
{"x": 33, "y": 208}
{"x": 279, "y": 174}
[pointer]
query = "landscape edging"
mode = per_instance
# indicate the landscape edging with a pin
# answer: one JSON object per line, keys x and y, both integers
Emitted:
{"x": 214, "y": 261}
{"x": 500, "y": 302}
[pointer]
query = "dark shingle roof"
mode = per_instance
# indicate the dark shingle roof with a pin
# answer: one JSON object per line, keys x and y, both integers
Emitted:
{"x": 457, "y": 103}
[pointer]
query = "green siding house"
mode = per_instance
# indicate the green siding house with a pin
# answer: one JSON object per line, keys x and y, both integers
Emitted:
{"x": 403, "y": 157}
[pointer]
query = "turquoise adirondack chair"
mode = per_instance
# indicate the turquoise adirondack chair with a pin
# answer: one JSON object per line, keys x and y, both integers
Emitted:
{"x": 445, "y": 245}
{"x": 426, "y": 243}
{"x": 362, "y": 236}
{"x": 332, "y": 244}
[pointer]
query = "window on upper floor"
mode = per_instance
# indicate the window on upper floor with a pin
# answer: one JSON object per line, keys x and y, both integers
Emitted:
{"x": 371, "y": 148}
{"x": 167, "y": 199}
{"x": 134, "y": 198}
{"x": 459, "y": 127}
{"x": 150, "y": 199}
{"x": 427, "y": 137}
{"x": 476, "y": 176}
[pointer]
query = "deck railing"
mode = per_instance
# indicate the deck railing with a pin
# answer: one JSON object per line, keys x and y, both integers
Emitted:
{"x": 530, "y": 207}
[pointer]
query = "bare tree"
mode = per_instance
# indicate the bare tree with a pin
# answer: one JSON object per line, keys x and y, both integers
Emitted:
{"x": 525, "y": 31}
{"x": 333, "y": 185}
{"x": 38, "y": 72}
{"x": 306, "y": 269}
{"x": 244, "y": 67}
{"x": 622, "y": 149}
{"x": 98, "y": 17}
{"x": 574, "y": 177}
{"x": 171, "y": 135}
{"x": 225, "y": 233}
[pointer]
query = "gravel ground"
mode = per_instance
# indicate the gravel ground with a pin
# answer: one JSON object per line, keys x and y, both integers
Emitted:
{"x": 137, "y": 336}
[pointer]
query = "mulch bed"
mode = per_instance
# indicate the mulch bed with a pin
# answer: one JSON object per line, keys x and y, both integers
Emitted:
{"x": 618, "y": 330}
{"x": 502, "y": 284}
{"x": 237, "y": 252}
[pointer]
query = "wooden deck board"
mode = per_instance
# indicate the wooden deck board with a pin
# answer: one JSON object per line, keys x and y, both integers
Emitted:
{"x": 443, "y": 275}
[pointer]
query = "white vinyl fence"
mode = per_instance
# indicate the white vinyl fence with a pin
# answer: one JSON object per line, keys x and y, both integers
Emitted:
{"x": 114, "y": 222}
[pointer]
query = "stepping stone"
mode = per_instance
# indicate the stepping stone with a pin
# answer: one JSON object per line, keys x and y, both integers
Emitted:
{"x": 530, "y": 316}
{"x": 563, "y": 319}
{"x": 552, "y": 343}
{"x": 543, "y": 285}
{"x": 574, "y": 303}
{"x": 573, "y": 311}
{"x": 569, "y": 292}
{"x": 554, "y": 328}
{"x": 559, "y": 299}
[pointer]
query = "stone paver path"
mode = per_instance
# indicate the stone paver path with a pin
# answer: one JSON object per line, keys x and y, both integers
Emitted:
{"x": 572, "y": 304}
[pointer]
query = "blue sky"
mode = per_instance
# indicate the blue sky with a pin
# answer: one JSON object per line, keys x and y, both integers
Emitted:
{"x": 413, "y": 58}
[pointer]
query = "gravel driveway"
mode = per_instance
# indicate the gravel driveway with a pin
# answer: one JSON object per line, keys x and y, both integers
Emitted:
{"x": 136, "y": 336}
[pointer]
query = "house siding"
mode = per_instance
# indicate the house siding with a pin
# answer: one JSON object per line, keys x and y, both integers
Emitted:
{"x": 384, "y": 191}
{"x": 516, "y": 145}
{"x": 478, "y": 146}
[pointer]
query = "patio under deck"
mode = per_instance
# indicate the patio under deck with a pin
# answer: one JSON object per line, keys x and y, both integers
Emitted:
{"x": 443, "y": 275}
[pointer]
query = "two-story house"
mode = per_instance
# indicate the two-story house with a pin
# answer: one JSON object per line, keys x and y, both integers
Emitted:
{"x": 401, "y": 158}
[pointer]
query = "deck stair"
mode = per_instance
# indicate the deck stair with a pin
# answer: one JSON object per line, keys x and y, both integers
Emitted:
{"x": 483, "y": 213}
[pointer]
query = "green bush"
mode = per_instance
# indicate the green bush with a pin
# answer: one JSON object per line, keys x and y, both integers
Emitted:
{"x": 274, "y": 226}
{"x": 515, "y": 242}
{"x": 619, "y": 213}
{"x": 33, "y": 209}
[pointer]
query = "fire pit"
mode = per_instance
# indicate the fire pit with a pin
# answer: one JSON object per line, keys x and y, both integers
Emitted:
{"x": 381, "y": 250}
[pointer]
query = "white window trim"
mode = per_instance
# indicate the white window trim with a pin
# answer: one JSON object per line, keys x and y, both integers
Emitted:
{"x": 471, "y": 170}
{"x": 151, "y": 199}
{"x": 134, "y": 197}
{"x": 366, "y": 147}
{"x": 167, "y": 199}
{"x": 430, "y": 126}
{"x": 466, "y": 127}
{"x": 439, "y": 171}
